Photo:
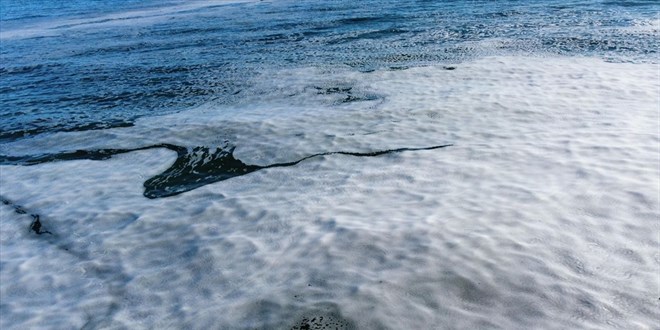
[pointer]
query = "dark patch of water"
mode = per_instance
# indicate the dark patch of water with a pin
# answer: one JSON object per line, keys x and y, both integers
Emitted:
{"x": 194, "y": 167}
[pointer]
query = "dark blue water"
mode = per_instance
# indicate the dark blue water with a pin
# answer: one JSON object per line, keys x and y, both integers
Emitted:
{"x": 80, "y": 65}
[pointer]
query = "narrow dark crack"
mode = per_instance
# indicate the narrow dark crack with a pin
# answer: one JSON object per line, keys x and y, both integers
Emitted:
{"x": 193, "y": 168}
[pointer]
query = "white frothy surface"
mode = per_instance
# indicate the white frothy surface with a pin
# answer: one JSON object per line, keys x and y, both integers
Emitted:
{"x": 543, "y": 214}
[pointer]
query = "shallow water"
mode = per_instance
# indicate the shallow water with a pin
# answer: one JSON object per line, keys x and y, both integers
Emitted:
{"x": 273, "y": 165}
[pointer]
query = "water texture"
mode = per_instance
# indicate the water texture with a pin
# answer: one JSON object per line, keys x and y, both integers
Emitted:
{"x": 90, "y": 65}
{"x": 329, "y": 164}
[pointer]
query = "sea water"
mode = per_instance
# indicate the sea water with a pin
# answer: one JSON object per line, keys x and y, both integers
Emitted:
{"x": 330, "y": 164}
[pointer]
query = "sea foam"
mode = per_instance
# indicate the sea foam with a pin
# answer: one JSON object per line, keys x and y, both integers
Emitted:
{"x": 542, "y": 214}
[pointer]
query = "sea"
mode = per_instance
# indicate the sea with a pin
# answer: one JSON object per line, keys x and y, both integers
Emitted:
{"x": 307, "y": 164}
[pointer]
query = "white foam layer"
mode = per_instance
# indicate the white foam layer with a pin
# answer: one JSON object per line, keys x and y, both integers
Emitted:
{"x": 542, "y": 215}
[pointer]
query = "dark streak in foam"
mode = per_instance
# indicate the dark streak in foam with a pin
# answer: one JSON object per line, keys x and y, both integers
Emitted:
{"x": 36, "y": 226}
{"x": 99, "y": 154}
{"x": 193, "y": 168}
{"x": 349, "y": 95}
{"x": 113, "y": 279}
{"x": 18, "y": 133}
{"x": 36, "y": 223}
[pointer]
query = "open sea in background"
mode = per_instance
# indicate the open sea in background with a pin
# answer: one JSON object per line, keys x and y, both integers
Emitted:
{"x": 329, "y": 164}
{"x": 77, "y": 65}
